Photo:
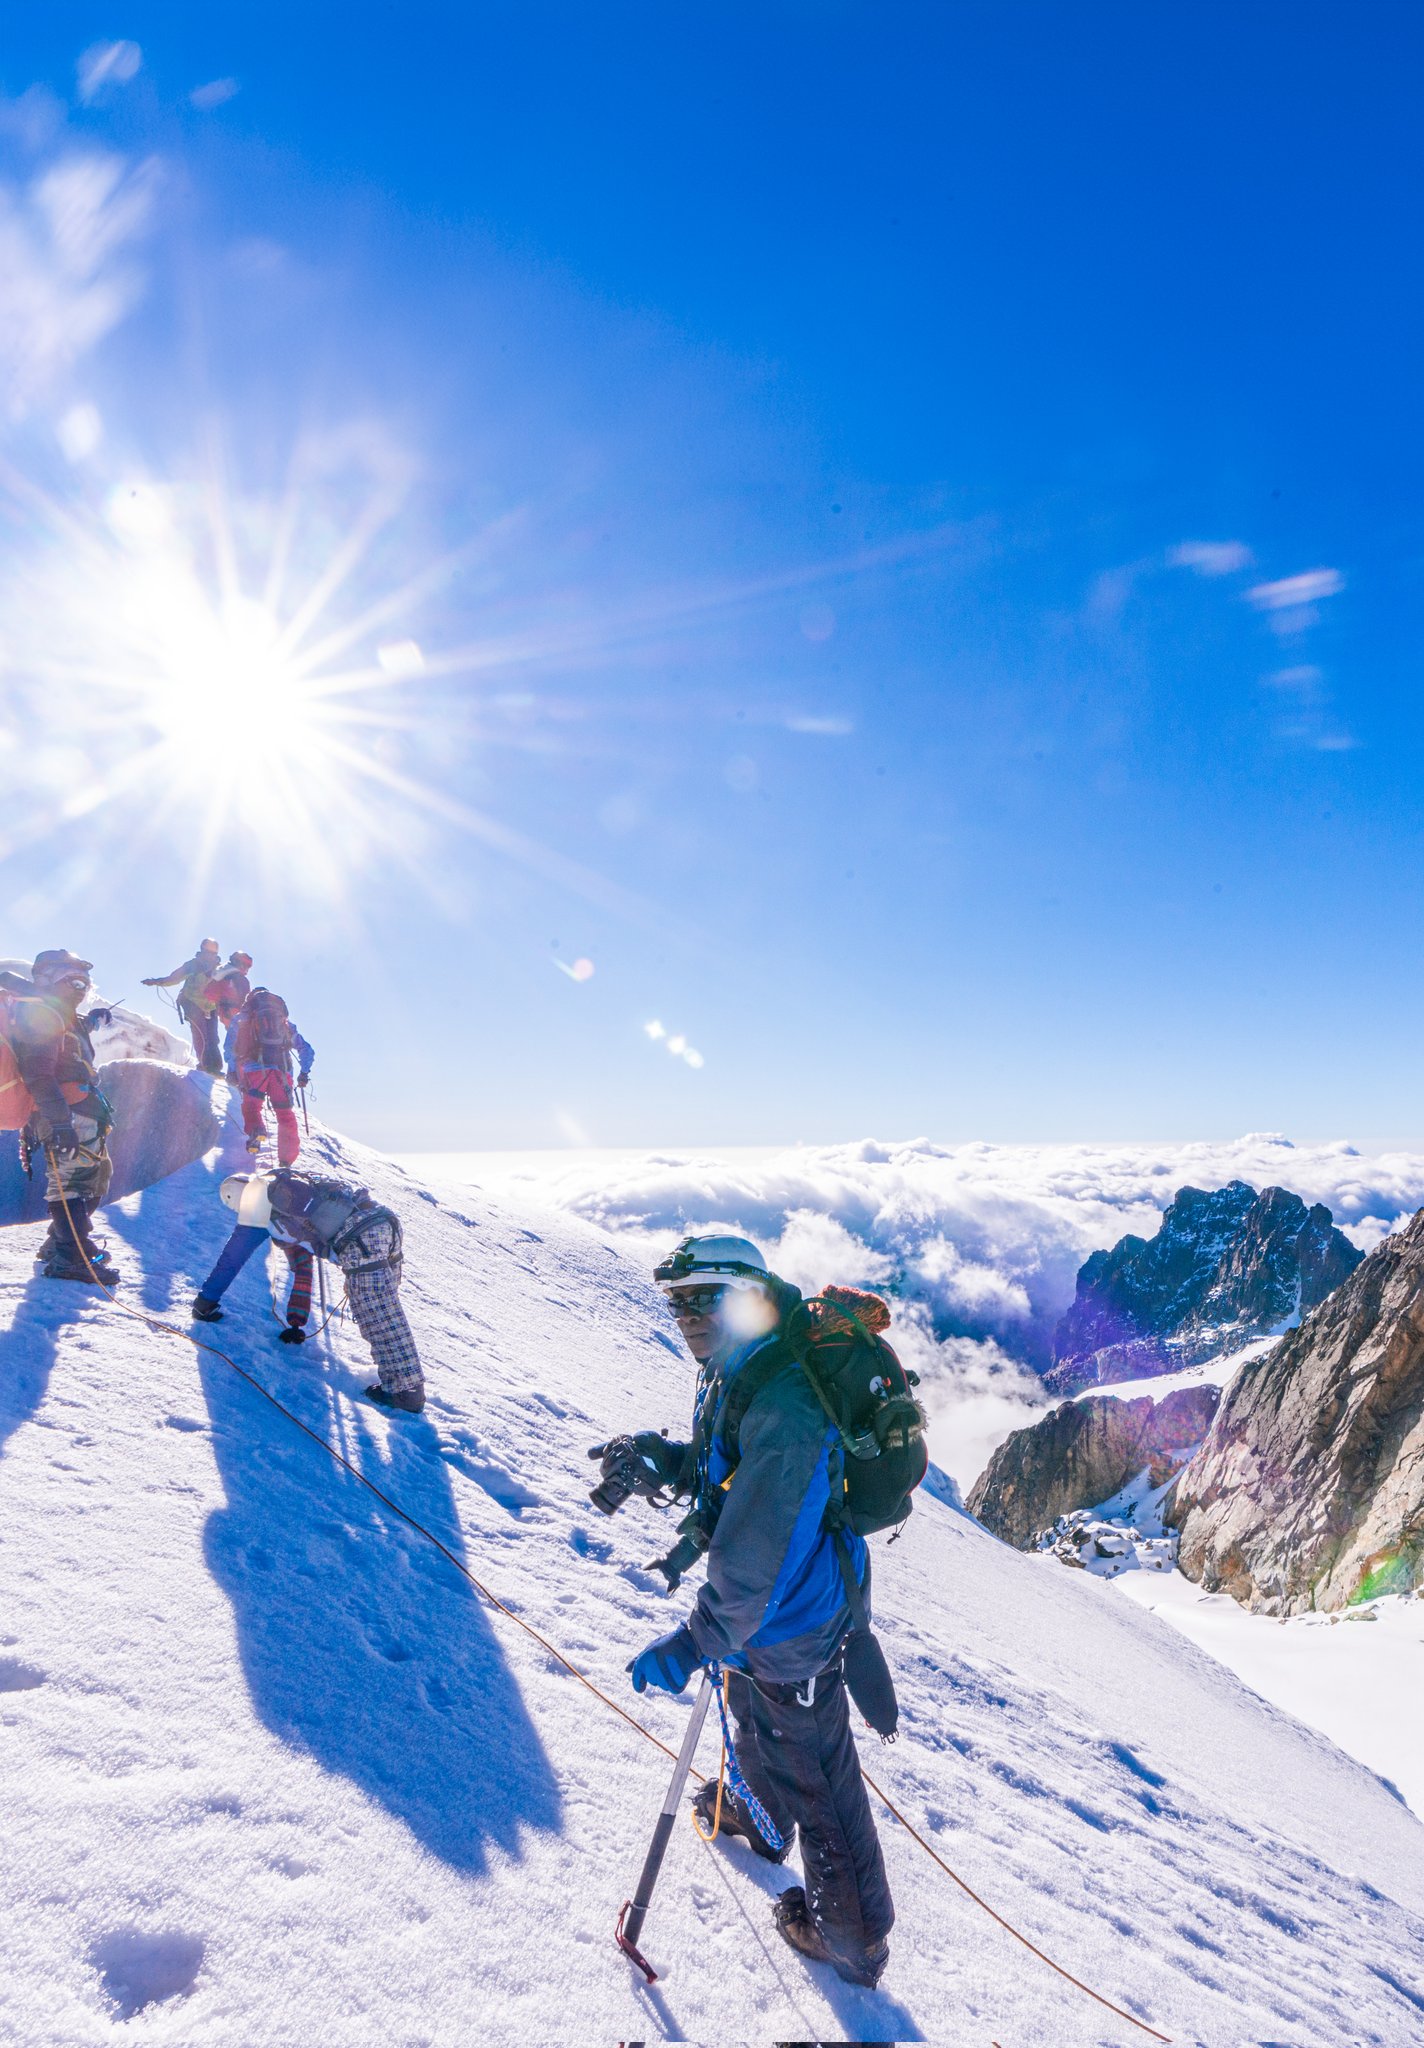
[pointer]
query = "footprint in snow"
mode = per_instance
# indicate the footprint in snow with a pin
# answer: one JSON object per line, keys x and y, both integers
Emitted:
{"x": 18, "y": 1677}
{"x": 501, "y": 1486}
{"x": 138, "y": 1969}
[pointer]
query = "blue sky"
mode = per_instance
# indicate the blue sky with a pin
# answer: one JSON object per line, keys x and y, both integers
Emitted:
{"x": 845, "y": 470}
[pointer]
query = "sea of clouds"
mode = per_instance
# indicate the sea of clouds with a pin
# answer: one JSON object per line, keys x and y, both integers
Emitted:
{"x": 979, "y": 1245}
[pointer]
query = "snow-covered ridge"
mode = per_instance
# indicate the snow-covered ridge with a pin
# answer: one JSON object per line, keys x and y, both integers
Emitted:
{"x": 271, "y": 1773}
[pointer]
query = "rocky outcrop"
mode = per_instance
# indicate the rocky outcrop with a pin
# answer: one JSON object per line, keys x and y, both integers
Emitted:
{"x": 1309, "y": 1490}
{"x": 1083, "y": 1453}
{"x": 1224, "y": 1267}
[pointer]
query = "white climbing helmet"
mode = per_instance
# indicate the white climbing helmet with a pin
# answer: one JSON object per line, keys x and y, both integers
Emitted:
{"x": 719, "y": 1261}
{"x": 248, "y": 1194}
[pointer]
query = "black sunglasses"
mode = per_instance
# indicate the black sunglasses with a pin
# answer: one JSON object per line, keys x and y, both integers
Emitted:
{"x": 695, "y": 1301}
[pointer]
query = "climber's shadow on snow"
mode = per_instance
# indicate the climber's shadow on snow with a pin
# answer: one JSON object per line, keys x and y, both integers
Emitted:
{"x": 27, "y": 1349}
{"x": 359, "y": 1643}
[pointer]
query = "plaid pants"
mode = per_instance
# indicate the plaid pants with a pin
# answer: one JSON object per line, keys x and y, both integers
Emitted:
{"x": 373, "y": 1291}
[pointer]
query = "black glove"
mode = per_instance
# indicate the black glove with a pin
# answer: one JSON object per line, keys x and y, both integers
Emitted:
{"x": 62, "y": 1140}
{"x": 103, "y": 1015}
{"x": 303, "y": 1080}
{"x": 291, "y": 1335}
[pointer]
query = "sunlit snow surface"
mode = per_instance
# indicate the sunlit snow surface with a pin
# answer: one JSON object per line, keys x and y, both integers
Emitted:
{"x": 270, "y": 1773}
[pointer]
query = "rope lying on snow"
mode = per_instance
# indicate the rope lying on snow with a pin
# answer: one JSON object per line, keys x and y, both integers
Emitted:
{"x": 201, "y": 1344}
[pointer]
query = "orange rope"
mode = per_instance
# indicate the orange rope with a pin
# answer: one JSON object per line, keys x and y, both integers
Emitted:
{"x": 717, "y": 1812}
{"x": 1007, "y": 1925}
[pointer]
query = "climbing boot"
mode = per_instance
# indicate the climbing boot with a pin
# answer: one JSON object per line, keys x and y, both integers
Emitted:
{"x": 408, "y": 1403}
{"x": 796, "y": 1927}
{"x": 205, "y": 1311}
{"x": 734, "y": 1821}
{"x": 65, "y": 1264}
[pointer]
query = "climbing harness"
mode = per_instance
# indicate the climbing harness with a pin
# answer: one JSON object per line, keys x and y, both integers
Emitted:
{"x": 630, "y": 1923}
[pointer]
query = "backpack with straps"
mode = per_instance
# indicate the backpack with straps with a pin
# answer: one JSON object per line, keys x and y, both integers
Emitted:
{"x": 866, "y": 1393}
{"x": 319, "y": 1211}
{"x": 270, "y": 1038}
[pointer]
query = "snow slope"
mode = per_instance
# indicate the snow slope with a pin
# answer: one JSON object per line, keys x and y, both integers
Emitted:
{"x": 271, "y": 1773}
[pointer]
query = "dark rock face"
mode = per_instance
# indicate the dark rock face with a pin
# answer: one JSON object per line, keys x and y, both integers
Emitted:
{"x": 1224, "y": 1268}
{"x": 1309, "y": 1490}
{"x": 1082, "y": 1454}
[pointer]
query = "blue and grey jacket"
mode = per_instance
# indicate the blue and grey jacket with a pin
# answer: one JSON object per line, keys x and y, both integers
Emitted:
{"x": 773, "y": 1602}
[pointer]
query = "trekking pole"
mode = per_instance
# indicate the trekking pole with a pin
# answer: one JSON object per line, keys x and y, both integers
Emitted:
{"x": 635, "y": 1910}
{"x": 306, "y": 1120}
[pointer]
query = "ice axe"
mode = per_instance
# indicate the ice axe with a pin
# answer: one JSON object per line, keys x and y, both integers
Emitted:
{"x": 635, "y": 1910}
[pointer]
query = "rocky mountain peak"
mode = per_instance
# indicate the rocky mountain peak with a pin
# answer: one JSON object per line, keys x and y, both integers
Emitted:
{"x": 1083, "y": 1452}
{"x": 1309, "y": 1490}
{"x": 1225, "y": 1266}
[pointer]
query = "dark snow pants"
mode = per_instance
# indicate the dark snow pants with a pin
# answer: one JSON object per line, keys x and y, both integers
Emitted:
{"x": 203, "y": 1030}
{"x": 801, "y": 1763}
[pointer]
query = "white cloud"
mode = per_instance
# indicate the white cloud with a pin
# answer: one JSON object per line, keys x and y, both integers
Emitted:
{"x": 1290, "y": 592}
{"x": 1210, "y": 557}
{"x": 79, "y": 432}
{"x": 984, "y": 1238}
{"x": 216, "y": 93}
{"x": 107, "y": 64}
{"x": 978, "y": 1245}
{"x": 1303, "y": 680}
{"x": 401, "y": 658}
{"x": 66, "y": 238}
{"x": 824, "y": 727}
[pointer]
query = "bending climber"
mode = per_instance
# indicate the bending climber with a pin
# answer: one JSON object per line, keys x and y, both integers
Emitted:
{"x": 229, "y": 990}
{"x": 195, "y": 1006}
{"x": 307, "y": 1215}
{"x": 71, "y": 1120}
{"x": 773, "y": 1608}
{"x": 265, "y": 1042}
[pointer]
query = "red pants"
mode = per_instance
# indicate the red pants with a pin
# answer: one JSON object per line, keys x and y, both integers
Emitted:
{"x": 261, "y": 1085}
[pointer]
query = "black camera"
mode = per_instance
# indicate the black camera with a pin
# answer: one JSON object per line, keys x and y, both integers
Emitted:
{"x": 635, "y": 1464}
{"x": 623, "y": 1470}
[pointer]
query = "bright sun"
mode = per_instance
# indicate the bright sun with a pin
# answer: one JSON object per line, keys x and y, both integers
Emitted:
{"x": 171, "y": 673}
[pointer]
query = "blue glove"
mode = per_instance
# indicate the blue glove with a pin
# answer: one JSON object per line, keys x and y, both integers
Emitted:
{"x": 668, "y": 1663}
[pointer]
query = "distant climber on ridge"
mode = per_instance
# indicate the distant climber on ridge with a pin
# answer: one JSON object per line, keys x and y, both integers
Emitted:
{"x": 229, "y": 990}
{"x": 68, "y": 1119}
{"x": 264, "y": 1043}
{"x": 308, "y": 1215}
{"x": 195, "y": 1005}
